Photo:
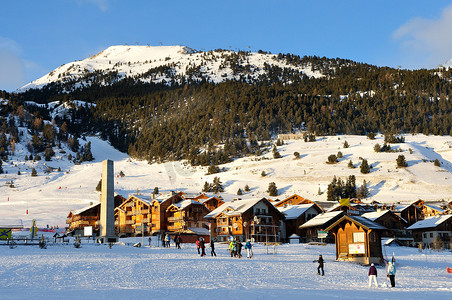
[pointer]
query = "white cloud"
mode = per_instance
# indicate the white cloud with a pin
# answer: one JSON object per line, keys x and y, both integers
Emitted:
{"x": 426, "y": 42}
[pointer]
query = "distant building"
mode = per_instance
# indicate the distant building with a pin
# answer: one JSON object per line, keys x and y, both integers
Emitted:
{"x": 310, "y": 229}
{"x": 432, "y": 229}
{"x": 88, "y": 216}
{"x": 295, "y": 216}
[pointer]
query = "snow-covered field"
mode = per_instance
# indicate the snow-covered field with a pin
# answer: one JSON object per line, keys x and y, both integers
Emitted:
{"x": 50, "y": 197}
{"x": 124, "y": 272}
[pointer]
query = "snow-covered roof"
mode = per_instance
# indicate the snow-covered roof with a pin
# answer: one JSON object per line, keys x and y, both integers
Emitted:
{"x": 375, "y": 214}
{"x": 431, "y": 222}
{"x": 183, "y": 204}
{"x": 434, "y": 207}
{"x": 237, "y": 207}
{"x": 81, "y": 210}
{"x": 367, "y": 223}
{"x": 199, "y": 230}
{"x": 321, "y": 219}
{"x": 294, "y": 211}
{"x": 145, "y": 199}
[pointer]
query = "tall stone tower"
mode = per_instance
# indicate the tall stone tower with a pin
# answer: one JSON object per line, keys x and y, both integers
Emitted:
{"x": 107, "y": 204}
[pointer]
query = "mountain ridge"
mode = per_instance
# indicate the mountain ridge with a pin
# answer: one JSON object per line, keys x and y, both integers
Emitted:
{"x": 180, "y": 62}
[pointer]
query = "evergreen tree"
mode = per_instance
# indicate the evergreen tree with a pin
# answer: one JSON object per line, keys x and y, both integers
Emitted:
{"x": 121, "y": 174}
{"x": 364, "y": 168}
{"x": 247, "y": 188}
{"x": 156, "y": 190}
{"x": 346, "y": 145}
{"x": 239, "y": 192}
{"x": 272, "y": 189}
{"x": 401, "y": 162}
{"x": 1, "y": 166}
{"x": 332, "y": 159}
{"x": 206, "y": 187}
{"x": 297, "y": 155}
{"x": 34, "y": 173}
{"x": 351, "y": 165}
{"x": 263, "y": 174}
{"x": 436, "y": 163}
{"x": 217, "y": 186}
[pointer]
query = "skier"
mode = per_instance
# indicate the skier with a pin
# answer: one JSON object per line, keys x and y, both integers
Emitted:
{"x": 249, "y": 252}
{"x": 239, "y": 246}
{"x": 391, "y": 273}
{"x": 372, "y": 275}
{"x": 320, "y": 267}
{"x": 198, "y": 245}
{"x": 202, "y": 245}
{"x": 212, "y": 247}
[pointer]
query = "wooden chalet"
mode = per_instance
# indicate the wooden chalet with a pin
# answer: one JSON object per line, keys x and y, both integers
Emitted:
{"x": 293, "y": 200}
{"x": 133, "y": 217}
{"x": 310, "y": 229}
{"x": 186, "y": 215}
{"x": 295, "y": 216}
{"x": 255, "y": 219}
{"x": 395, "y": 224}
{"x": 212, "y": 202}
{"x": 432, "y": 229}
{"x": 158, "y": 212}
{"x": 410, "y": 213}
{"x": 88, "y": 216}
{"x": 429, "y": 210}
{"x": 357, "y": 239}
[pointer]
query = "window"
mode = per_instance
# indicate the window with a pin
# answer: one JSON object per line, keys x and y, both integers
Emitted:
{"x": 431, "y": 234}
{"x": 425, "y": 235}
{"x": 358, "y": 237}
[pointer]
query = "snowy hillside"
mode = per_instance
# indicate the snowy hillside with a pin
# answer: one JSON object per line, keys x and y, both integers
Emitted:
{"x": 163, "y": 63}
{"x": 50, "y": 196}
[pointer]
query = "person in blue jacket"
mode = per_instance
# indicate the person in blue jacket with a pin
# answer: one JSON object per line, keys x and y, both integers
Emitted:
{"x": 391, "y": 273}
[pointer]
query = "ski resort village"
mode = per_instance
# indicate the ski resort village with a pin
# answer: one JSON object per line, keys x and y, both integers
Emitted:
{"x": 226, "y": 150}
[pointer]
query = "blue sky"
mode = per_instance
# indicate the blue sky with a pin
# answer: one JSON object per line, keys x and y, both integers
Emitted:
{"x": 38, "y": 36}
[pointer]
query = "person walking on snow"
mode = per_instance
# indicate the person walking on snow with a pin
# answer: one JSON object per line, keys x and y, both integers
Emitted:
{"x": 391, "y": 273}
{"x": 372, "y": 275}
{"x": 212, "y": 247}
{"x": 198, "y": 245}
{"x": 231, "y": 248}
{"x": 249, "y": 252}
{"x": 239, "y": 248}
{"x": 202, "y": 245}
{"x": 167, "y": 240}
{"x": 320, "y": 267}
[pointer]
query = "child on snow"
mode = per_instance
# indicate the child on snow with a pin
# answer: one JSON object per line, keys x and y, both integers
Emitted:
{"x": 248, "y": 247}
{"x": 320, "y": 267}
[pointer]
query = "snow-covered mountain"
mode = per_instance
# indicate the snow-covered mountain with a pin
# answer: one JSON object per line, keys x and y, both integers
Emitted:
{"x": 165, "y": 64}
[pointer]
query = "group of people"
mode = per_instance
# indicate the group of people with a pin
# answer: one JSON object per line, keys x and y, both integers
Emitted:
{"x": 201, "y": 246}
{"x": 235, "y": 249}
{"x": 166, "y": 240}
{"x": 390, "y": 273}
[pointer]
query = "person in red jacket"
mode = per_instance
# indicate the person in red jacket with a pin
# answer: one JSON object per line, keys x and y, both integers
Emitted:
{"x": 372, "y": 275}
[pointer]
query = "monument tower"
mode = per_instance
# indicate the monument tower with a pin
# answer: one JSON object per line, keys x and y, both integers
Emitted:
{"x": 107, "y": 204}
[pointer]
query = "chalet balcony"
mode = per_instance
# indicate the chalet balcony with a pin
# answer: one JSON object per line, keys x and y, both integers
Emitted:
{"x": 174, "y": 228}
{"x": 174, "y": 219}
{"x": 145, "y": 211}
{"x": 130, "y": 222}
{"x": 146, "y": 220}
